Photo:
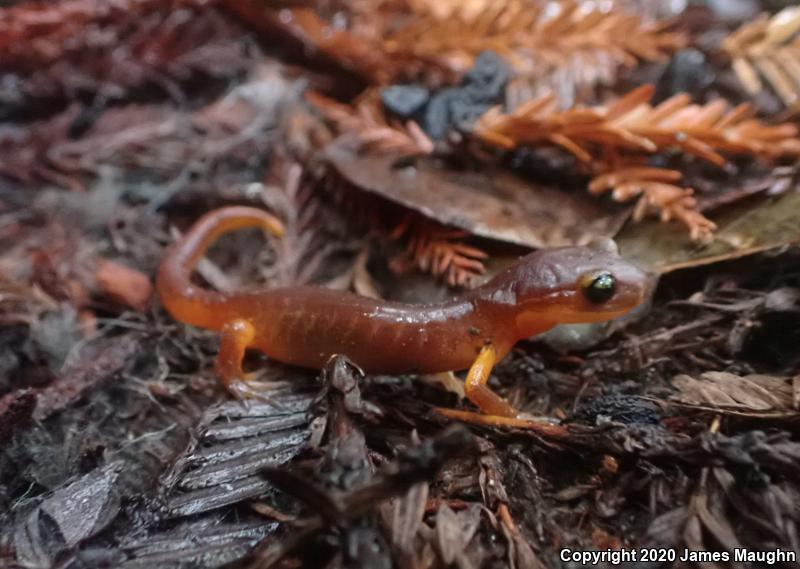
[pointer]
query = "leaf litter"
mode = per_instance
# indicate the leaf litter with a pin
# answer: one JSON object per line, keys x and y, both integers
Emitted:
{"x": 117, "y": 446}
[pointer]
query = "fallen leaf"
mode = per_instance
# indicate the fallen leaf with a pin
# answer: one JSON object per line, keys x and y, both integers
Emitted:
{"x": 407, "y": 514}
{"x": 744, "y": 229}
{"x": 745, "y": 393}
{"x": 492, "y": 204}
{"x": 454, "y": 531}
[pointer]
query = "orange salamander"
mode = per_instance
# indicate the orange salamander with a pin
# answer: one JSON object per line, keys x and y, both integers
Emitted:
{"x": 306, "y": 325}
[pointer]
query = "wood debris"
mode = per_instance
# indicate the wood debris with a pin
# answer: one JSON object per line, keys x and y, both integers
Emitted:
{"x": 123, "y": 284}
{"x": 46, "y": 52}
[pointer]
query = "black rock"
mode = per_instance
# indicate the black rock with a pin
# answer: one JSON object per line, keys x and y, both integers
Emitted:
{"x": 486, "y": 81}
{"x": 482, "y": 87}
{"x": 404, "y": 100}
{"x": 688, "y": 72}
{"x": 458, "y": 108}
{"x": 619, "y": 408}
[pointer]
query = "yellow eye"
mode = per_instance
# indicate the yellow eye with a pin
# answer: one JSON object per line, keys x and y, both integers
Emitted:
{"x": 598, "y": 286}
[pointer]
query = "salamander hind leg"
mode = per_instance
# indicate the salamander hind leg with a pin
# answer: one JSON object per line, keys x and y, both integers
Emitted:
{"x": 236, "y": 336}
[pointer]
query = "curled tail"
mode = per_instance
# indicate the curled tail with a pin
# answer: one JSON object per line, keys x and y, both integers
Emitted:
{"x": 183, "y": 299}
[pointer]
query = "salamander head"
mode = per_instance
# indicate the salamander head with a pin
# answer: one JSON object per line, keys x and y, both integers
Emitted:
{"x": 571, "y": 285}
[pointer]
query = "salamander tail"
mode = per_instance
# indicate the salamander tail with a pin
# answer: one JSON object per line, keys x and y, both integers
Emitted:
{"x": 185, "y": 300}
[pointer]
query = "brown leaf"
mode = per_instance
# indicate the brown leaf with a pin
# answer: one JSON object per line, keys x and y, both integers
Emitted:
{"x": 744, "y": 229}
{"x": 745, "y": 393}
{"x": 714, "y": 521}
{"x": 454, "y": 531}
{"x": 491, "y": 204}
{"x": 407, "y": 513}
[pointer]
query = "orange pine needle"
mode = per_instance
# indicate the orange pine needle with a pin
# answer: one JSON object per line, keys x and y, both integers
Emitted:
{"x": 367, "y": 121}
{"x": 607, "y": 138}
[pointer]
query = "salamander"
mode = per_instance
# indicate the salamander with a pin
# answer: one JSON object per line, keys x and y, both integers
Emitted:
{"x": 307, "y": 325}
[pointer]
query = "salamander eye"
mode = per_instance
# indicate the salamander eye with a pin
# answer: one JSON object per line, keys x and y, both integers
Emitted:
{"x": 598, "y": 286}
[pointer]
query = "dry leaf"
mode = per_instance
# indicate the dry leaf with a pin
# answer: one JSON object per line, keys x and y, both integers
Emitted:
{"x": 744, "y": 229}
{"x": 491, "y": 203}
{"x": 754, "y": 392}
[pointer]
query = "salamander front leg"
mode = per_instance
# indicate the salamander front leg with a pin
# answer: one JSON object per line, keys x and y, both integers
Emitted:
{"x": 496, "y": 411}
{"x": 236, "y": 336}
{"x": 477, "y": 390}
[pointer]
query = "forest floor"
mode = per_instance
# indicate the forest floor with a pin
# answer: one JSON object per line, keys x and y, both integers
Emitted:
{"x": 676, "y": 428}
